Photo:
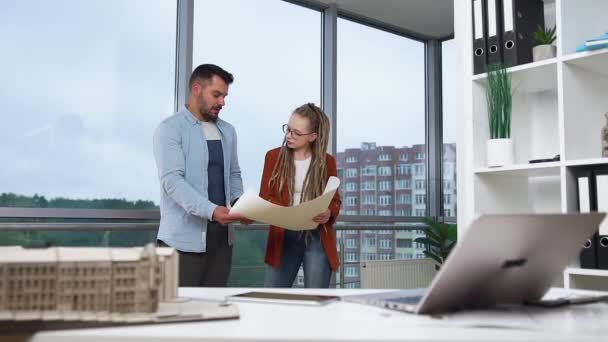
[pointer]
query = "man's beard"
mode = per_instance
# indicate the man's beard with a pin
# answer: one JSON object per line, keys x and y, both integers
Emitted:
{"x": 208, "y": 117}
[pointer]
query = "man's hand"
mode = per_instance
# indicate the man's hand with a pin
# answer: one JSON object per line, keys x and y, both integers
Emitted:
{"x": 223, "y": 216}
{"x": 322, "y": 218}
{"x": 246, "y": 221}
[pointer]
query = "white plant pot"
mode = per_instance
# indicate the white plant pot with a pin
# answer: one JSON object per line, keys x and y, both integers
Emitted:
{"x": 541, "y": 52}
{"x": 500, "y": 152}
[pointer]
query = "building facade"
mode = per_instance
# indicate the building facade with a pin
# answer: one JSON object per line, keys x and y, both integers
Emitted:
{"x": 388, "y": 181}
{"x": 86, "y": 279}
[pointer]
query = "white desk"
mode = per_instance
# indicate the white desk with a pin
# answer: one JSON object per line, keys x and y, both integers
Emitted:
{"x": 339, "y": 321}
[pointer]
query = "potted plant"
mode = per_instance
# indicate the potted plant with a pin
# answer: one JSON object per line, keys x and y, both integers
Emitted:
{"x": 499, "y": 100}
{"x": 439, "y": 240}
{"x": 543, "y": 39}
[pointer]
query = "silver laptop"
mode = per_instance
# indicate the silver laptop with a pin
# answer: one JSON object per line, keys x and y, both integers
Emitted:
{"x": 501, "y": 259}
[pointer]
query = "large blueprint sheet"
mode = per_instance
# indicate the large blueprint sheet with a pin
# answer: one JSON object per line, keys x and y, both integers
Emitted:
{"x": 298, "y": 217}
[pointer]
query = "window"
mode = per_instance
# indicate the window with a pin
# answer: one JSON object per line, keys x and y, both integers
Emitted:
{"x": 351, "y": 172}
{"x": 352, "y": 271}
{"x": 369, "y": 199}
{"x": 295, "y": 33}
{"x": 385, "y": 256}
{"x": 403, "y": 169}
{"x": 448, "y": 63}
{"x": 351, "y": 159}
{"x": 419, "y": 169}
{"x": 385, "y": 212}
{"x": 369, "y": 242}
{"x": 419, "y": 184}
{"x": 385, "y": 200}
{"x": 351, "y": 257}
{"x": 404, "y": 212}
{"x": 369, "y": 212}
{"x": 368, "y": 170}
{"x": 369, "y": 185}
{"x": 351, "y": 200}
{"x": 384, "y": 185}
{"x": 399, "y": 121}
{"x": 420, "y": 212}
{"x": 351, "y": 243}
{"x": 404, "y": 243}
{"x": 351, "y": 186}
{"x": 351, "y": 212}
{"x": 404, "y": 199}
{"x": 420, "y": 155}
{"x": 420, "y": 199}
{"x": 402, "y": 184}
{"x": 447, "y": 212}
{"x": 84, "y": 116}
{"x": 385, "y": 243}
{"x": 384, "y": 171}
{"x": 446, "y": 199}
{"x": 404, "y": 256}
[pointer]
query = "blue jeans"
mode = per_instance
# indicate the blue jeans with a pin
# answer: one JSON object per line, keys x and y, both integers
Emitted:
{"x": 296, "y": 251}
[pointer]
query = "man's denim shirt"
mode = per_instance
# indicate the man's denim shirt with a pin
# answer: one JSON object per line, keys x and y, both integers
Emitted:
{"x": 180, "y": 150}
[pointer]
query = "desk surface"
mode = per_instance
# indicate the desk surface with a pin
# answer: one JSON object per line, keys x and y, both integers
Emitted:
{"x": 341, "y": 321}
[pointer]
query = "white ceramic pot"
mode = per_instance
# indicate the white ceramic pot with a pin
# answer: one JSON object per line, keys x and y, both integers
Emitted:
{"x": 500, "y": 152}
{"x": 541, "y": 52}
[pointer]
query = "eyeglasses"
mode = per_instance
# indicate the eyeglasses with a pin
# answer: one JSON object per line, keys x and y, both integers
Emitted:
{"x": 287, "y": 130}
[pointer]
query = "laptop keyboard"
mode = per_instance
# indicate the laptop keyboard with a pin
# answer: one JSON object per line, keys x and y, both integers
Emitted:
{"x": 404, "y": 300}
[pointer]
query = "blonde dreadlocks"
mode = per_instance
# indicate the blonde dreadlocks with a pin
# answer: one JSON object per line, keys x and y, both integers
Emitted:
{"x": 284, "y": 170}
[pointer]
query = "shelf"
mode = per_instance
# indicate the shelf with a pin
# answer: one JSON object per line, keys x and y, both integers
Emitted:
{"x": 586, "y": 271}
{"x": 531, "y": 77}
{"x": 523, "y": 170}
{"x": 583, "y": 162}
{"x": 592, "y": 61}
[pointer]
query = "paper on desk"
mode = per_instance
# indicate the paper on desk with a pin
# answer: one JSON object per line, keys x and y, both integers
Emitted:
{"x": 298, "y": 217}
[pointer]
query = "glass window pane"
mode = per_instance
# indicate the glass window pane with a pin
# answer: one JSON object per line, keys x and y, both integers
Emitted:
{"x": 448, "y": 72}
{"x": 275, "y": 57}
{"x": 85, "y": 85}
{"x": 381, "y": 121}
{"x": 273, "y": 49}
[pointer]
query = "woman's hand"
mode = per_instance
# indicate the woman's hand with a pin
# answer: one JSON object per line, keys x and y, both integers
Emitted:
{"x": 322, "y": 218}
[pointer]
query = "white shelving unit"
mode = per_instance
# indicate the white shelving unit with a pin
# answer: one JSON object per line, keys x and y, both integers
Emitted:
{"x": 558, "y": 108}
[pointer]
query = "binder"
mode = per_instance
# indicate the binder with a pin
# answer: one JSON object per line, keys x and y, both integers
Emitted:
{"x": 480, "y": 36}
{"x": 601, "y": 191}
{"x": 494, "y": 32}
{"x": 588, "y": 254}
{"x": 602, "y": 252}
{"x": 519, "y": 19}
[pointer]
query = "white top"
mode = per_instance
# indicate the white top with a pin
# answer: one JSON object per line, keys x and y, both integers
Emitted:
{"x": 342, "y": 321}
{"x": 210, "y": 130}
{"x": 301, "y": 170}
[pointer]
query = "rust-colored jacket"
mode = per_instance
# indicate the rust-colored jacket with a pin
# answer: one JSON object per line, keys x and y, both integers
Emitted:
{"x": 274, "y": 246}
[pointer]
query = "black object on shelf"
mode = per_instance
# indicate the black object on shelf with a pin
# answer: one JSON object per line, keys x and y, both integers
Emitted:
{"x": 519, "y": 19}
{"x": 545, "y": 160}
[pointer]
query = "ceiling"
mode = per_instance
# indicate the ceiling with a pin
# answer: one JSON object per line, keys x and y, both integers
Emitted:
{"x": 430, "y": 19}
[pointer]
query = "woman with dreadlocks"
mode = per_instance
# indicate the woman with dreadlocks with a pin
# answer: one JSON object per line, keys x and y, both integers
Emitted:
{"x": 294, "y": 173}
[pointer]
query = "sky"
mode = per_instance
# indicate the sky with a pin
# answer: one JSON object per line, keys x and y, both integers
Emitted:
{"x": 87, "y": 83}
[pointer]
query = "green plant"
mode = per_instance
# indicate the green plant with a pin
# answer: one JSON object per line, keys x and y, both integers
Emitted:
{"x": 499, "y": 100}
{"x": 543, "y": 36}
{"x": 439, "y": 240}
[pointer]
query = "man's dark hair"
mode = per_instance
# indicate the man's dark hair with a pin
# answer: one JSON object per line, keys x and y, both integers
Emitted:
{"x": 205, "y": 72}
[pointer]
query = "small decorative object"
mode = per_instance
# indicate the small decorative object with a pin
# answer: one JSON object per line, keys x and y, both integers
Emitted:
{"x": 438, "y": 241}
{"x": 543, "y": 39}
{"x": 605, "y": 137}
{"x": 499, "y": 99}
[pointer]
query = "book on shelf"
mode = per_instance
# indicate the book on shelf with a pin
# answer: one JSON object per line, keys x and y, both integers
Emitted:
{"x": 594, "y": 43}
